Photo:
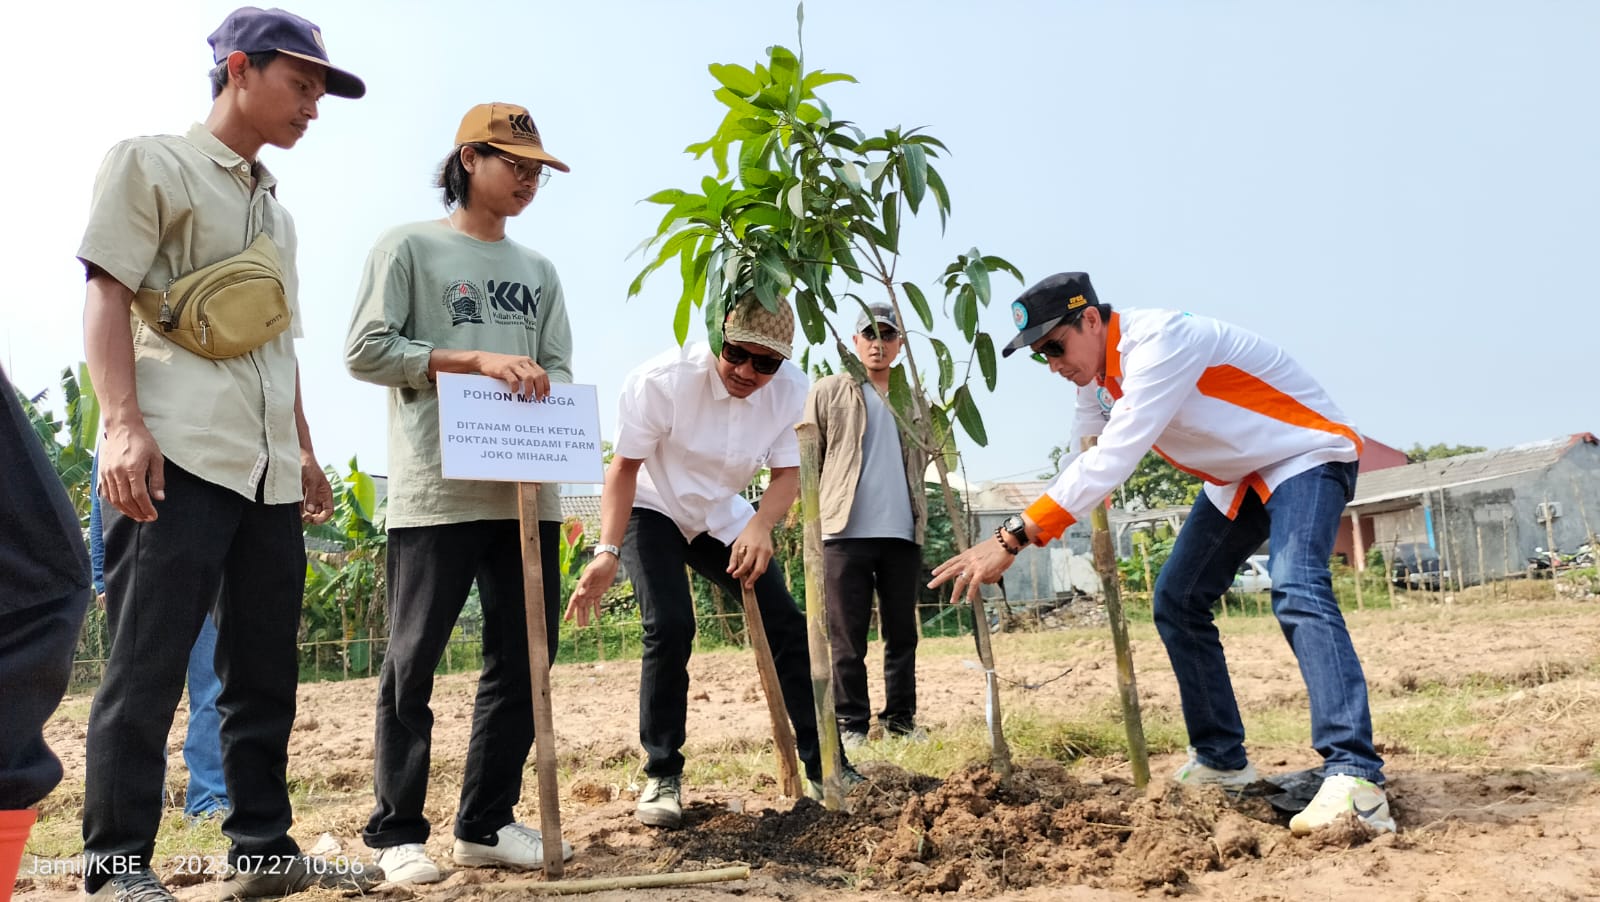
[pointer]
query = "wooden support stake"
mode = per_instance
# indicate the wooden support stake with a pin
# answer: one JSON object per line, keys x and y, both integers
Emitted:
{"x": 782, "y": 732}
{"x": 833, "y": 790}
{"x": 544, "y": 729}
{"x": 1105, "y": 561}
{"x": 1361, "y": 557}
{"x": 640, "y": 881}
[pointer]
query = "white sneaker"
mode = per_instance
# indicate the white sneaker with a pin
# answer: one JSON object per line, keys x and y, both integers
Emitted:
{"x": 516, "y": 846}
{"x": 661, "y": 803}
{"x": 1341, "y": 793}
{"x": 1193, "y": 773}
{"x": 407, "y": 863}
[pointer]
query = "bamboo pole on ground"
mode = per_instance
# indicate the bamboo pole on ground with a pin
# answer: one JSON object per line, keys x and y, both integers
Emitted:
{"x": 816, "y": 618}
{"x": 641, "y": 881}
{"x": 539, "y": 675}
{"x": 1105, "y": 561}
{"x": 782, "y": 732}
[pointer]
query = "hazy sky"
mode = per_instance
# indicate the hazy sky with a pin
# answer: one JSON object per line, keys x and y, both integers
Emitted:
{"x": 1402, "y": 194}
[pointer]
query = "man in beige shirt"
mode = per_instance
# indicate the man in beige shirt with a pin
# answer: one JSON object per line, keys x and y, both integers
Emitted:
{"x": 207, "y": 466}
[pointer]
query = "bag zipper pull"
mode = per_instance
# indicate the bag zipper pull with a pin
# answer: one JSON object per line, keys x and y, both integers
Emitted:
{"x": 205, "y": 329}
{"x": 165, "y": 316}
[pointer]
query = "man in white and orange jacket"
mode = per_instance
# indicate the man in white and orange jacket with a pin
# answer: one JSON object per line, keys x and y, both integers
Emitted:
{"x": 1279, "y": 463}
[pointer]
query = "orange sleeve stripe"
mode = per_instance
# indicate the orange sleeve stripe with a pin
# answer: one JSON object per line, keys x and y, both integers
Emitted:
{"x": 1051, "y": 518}
{"x": 1237, "y": 387}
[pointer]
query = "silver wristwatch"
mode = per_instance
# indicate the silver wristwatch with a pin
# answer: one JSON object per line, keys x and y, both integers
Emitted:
{"x": 612, "y": 550}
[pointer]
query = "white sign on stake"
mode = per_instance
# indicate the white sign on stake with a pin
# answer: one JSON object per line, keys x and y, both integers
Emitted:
{"x": 486, "y": 431}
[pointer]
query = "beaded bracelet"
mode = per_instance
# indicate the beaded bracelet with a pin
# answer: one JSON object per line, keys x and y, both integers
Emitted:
{"x": 1006, "y": 545}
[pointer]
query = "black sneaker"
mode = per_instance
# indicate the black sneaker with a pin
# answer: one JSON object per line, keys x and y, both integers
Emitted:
{"x": 139, "y": 886}
{"x": 258, "y": 876}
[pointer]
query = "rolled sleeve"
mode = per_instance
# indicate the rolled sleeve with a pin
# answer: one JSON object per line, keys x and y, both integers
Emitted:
{"x": 642, "y": 415}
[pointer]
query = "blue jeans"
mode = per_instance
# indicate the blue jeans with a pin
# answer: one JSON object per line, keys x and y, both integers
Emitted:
{"x": 202, "y": 746}
{"x": 1301, "y": 521}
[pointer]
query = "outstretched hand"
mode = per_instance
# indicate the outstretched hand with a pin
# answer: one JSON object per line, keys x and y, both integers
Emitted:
{"x": 982, "y": 564}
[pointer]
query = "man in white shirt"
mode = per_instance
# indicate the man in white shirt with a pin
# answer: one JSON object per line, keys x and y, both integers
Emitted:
{"x": 693, "y": 428}
{"x": 1279, "y": 462}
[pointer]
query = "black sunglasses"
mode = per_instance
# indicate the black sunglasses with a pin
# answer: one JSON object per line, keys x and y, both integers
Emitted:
{"x": 883, "y": 332}
{"x": 1051, "y": 348}
{"x": 764, "y": 364}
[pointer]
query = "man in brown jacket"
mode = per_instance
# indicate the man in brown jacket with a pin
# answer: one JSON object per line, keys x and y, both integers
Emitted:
{"x": 873, "y": 521}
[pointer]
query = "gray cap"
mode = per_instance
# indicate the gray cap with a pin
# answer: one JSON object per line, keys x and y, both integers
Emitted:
{"x": 877, "y": 313}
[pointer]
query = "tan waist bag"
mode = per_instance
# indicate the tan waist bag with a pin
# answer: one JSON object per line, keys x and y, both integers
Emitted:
{"x": 223, "y": 310}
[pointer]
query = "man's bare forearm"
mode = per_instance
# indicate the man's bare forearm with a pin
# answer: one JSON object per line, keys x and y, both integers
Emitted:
{"x": 108, "y": 348}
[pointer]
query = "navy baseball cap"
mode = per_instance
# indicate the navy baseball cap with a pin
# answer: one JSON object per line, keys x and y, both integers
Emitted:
{"x": 1045, "y": 305}
{"x": 251, "y": 29}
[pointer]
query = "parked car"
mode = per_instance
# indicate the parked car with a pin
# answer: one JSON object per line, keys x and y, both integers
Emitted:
{"x": 1415, "y": 565}
{"x": 1253, "y": 575}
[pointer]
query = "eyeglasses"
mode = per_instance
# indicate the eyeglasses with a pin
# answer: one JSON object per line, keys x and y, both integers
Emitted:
{"x": 883, "y": 332}
{"x": 1051, "y": 348}
{"x": 764, "y": 364}
{"x": 526, "y": 171}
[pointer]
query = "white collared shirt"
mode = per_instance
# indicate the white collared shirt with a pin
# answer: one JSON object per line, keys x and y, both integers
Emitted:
{"x": 700, "y": 445}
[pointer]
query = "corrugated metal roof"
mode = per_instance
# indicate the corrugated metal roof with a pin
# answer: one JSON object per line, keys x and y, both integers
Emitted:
{"x": 1432, "y": 475}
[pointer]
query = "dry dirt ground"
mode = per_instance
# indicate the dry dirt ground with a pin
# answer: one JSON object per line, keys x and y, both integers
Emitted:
{"x": 1487, "y": 711}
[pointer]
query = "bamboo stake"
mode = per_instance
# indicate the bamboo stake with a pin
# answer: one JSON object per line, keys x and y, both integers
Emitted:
{"x": 544, "y": 728}
{"x": 640, "y": 881}
{"x": 1361, "y": 557}
{"x": 782, "y": 733}
{"x": 1483, "y": 575}
{"x": 816, "y": 618}
{"x": 999, "y": 752}
{"x": 1550, "y": 549}
{"x": 1105, "y": 561}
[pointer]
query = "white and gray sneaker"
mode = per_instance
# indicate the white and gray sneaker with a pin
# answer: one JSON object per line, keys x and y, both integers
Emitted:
{"x": 661, "y": 803}
{"x": 515, "y": 846}
{"x": 1193, "y": 773}
{"x": 1341, "y": 793}
{"x": 407, "y": 863}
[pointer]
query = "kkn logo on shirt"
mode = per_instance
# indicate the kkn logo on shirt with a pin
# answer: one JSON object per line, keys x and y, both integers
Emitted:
{"x": 507, "y": 303}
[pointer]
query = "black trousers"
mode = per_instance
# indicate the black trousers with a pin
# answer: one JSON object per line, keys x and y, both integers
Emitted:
{"x": 36, "y": 645}
{"x": 855, "y": 569}
{"x": 431, "y": 570}
{"x": 162, "y": 579}
{"x": 655, "y": 554}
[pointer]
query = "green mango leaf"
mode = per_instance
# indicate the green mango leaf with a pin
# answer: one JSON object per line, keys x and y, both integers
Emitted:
{"x": 978, "y": 275}
{"x": 919, "y": 303}
{"x": 914, "y": 176}
{"x": 680, "y": 320}
{"x": 967, "y": 413}
{"x": 891, "y": 219}
{"x": 668, "y": 196}
{"x": 966, "y": 311}
{"x": 941, "y": 197}
{"x": 794, "y": 198}
{"x": 947, "y": 366}
{"x": 817, "y": 79}
{"x": 986, "y": 363}
{"x": 853, "y": 365}
{"x": 716, "y": 308}
{"x": 736, "y": 77}
{"x": 812, "y": 323}
{"x": 900, "y": 395}
{"x": 993, "y": 263}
